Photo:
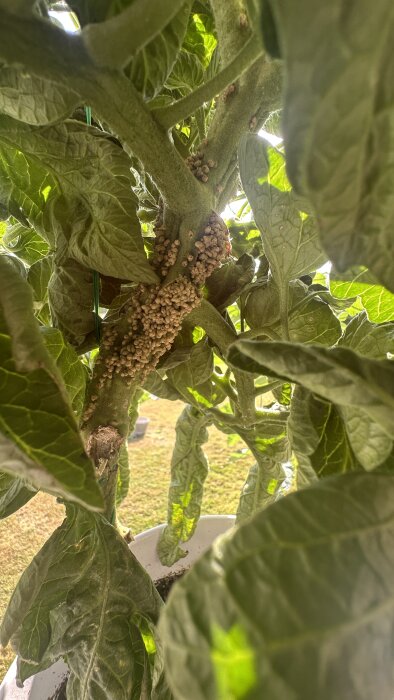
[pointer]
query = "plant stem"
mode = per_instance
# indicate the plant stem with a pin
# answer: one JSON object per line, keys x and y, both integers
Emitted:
{"x": 222, "y": 335}
{"x": 213, "y": 323}
{"x": 48, "y": 52}
{"x": 259, "y": 85}
{"x": 112, "y": 43}
{"x": 269, "y": 332}
{"x": 284, "y": 312}
{"x": 224, "y": 384}
{"x": 117, "y": 102}
{"x": 245, "y": 390}
{"x": 42, "y": 48}
{"x": 261, "y": 390}
{"x": 231, "y": 31}
{"x": 183, "y": 108}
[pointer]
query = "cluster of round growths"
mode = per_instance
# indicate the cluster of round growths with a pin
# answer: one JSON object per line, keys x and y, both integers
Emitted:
{"x": 166, "y": 251}
{"x": 199, "y": 166}
{"x": 154, "y": 317}
{"x": 212, "y": 247}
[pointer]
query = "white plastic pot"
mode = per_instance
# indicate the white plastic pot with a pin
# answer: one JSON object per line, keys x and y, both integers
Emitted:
{"x": 44, "y": 685}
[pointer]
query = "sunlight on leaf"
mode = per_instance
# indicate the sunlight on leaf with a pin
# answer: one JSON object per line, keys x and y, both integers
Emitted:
{"x": 234, "y": 662}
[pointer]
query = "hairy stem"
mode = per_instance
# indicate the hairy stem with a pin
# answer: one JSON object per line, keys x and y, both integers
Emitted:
{"x": 118, "y": 103}
{"x": 224, "y": 384}
{"x": 260, "y": 84}
{"x": 284, "y": 312}
{"x": 112, "y": 43}
{"x": 223, "y": 335}
{"x": 246, "y": 402}
{"x": 213, "y": 323}
{"x": 260, "y": 390}
{"x": 231, "y": 26}
{"x": 258, "y": 87}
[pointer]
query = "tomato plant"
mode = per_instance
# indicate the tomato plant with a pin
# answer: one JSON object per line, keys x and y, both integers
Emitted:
{"x": 153, "y": 239}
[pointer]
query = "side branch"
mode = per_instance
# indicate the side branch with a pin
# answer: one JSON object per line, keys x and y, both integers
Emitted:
{"x": 183, "y": 108}
{"x": 211, "y": 320}
{"x": 213, "y": 323}
{"x": 112, "y": 43}
{"x": 41, "y": 48}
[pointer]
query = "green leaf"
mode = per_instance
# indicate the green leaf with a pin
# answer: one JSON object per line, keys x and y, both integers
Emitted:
{"x": 123, "y": 483}
{"x": 226, "y": 284}
{"x": 153, "y": 64}
{"x": 71, "y": 368}
{"x": 269, "y": 445}
{"x": 296, "y": 600}
{"x": 195, "y": 371}
{"x": 14, "y": 492}
{"x": 80, "y": 599}
{"x": 200, "y": 36}
{"x": 205, "y": 395}
{"x": 245, "y": 238}
{"x": 56, "y": 174}
{"x": 290, "y": 236}
{"x": 342, "y": 163}
{"x": 318, "y": 436}
{"x": 25, "y": 186}
{"x": 267, "y": 440}
{"x": 25, "y": 243}
{"x": 330, "y": 440}
{"x": 160, "y": 387}
{"x": 339, "y": 375}
{"x": 70, "y": 294}
{"x": 35, "y": 415}
{"x": 15, "y": 263}
{"x": 258, "y": 491}
{"x": 376, "y": 300}
{"x": 189, "y": 469}
{"x": 310, "y": 320}
{"x": 187, "y": 73}
{"x": 38, "y": 277}
{"x": 368, "y": 439}
{"x": 261, "y": 305}
{"x": 283, "y": 394}
{"x": 34, "y": 100}
{"x": 367, "y": 338}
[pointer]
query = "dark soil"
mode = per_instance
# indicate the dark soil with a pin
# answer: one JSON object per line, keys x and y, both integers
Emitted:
{"x": 163, "y": 587}
{"x": 61, "y": 692}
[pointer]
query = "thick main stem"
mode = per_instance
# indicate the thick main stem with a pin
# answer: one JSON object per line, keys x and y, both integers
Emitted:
{"x": 116, "y": 102}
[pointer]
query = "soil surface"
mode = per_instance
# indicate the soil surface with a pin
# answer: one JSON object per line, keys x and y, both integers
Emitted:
{"x": 164, "y": 585}
{"x": 61, "y": 693}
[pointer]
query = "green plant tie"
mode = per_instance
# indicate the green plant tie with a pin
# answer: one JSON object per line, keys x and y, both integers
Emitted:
{"x": 96, "y": 276}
